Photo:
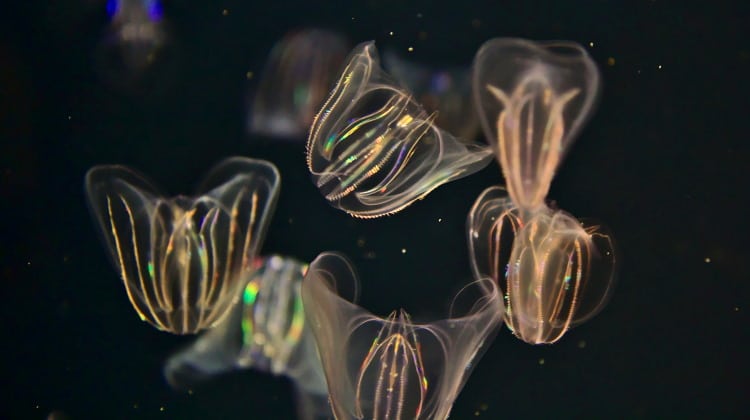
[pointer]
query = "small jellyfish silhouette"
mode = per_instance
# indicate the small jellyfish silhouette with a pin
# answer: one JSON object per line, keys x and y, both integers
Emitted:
{"x": 136, "y": 37}
{"x": 297, "y": 77}
{"x": 443, "y": 91}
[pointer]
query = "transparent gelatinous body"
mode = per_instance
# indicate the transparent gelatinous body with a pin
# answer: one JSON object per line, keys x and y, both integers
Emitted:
{"x": 554, "y": 271}
{"x": 533, "y": 98}
{"x": 136, "y": 34}
{"x": 391, "y": 368}
{"x": 265, "y": 331}
{"x": 182, "y": 259}
{"x": 373, "y": 150}
{"x": 300, "y": 71}
{"x": 446, "y": 92}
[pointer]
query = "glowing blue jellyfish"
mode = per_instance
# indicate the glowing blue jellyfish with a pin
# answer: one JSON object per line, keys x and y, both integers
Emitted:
{"x": 136, "y": 36}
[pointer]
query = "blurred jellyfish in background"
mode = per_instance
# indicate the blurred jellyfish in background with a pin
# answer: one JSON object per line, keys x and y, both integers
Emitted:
{"x": 266, "y": 332}
{"x": 297, "y": 77}
{"x": 446, "y": 91}
{"x": 134, "y": 38}
{"x": 182, "y": 259}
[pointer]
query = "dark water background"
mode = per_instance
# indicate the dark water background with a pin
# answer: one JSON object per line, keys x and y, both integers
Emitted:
{"x": 663, "y": 162}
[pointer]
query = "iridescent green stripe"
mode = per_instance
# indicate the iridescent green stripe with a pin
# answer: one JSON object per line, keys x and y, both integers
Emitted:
{"x": 248, "y": 299}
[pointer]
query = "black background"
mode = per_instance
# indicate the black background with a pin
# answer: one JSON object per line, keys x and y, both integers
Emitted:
{"x": 663, "y": 162}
